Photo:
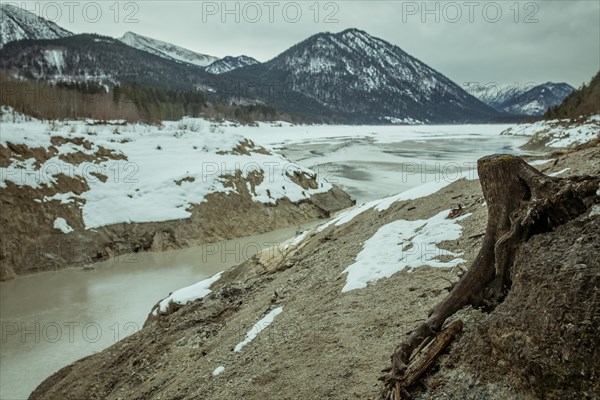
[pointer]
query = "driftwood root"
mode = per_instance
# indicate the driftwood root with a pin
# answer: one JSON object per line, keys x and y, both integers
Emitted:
{"x": 522, "y": 202}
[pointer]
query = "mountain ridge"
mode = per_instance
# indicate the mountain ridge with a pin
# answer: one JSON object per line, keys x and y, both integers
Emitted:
{"x": 530, "y": 100}
{"x": 344, "y": 77}
{"x": 166, "y": 50}
{"x": 99, "y": 59}
{"x": 19, "y": 24}
{"x": 230, "y": 63}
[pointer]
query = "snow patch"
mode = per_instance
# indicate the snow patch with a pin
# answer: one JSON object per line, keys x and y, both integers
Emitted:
{"x": 383, "y": 204}
{"x": 560, "y": 133}
{"x": 187, "y": 294}
{"x": 55, "y": 58}
{"x": 562, "y": 171}
{"x": 295, "y": 241}
{"x": 61, "y": 225}
{"x": 539, "y": 162}
{"x": 158, "y": 173}
{"x": 404, "y": 244}
{"x": 218, "y": 371}
{"x": 414, "y": 193}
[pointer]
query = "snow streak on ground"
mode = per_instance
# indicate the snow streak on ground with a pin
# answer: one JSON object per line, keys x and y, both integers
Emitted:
{"x": 557, "y": 173}
{"x": 258, "y": 328}
{"x": 383, "y": 204}
{"x": 295, "y": 241}
{"x": 404, "y": 244}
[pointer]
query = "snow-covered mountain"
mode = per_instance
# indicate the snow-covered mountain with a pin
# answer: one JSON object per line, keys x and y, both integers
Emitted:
{"x": 167, "y": 50}
{"x": 213, "y": 64}
{"x": 363, "y": 77}
{"x": 19, "y": 24}
{"x": 538, "y": 99}
{"x": 521, "y": 99}
{"x": 230, "y": 63}
{"x": 494, "y": 94}
{"x": 102, "y": 60}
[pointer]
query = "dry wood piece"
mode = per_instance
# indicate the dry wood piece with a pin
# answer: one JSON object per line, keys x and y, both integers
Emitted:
{"x": 423, "y": 359}
{"x": 522, "y": 202}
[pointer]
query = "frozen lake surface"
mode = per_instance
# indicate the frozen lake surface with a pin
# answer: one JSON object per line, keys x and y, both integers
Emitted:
{"x": 375, "y": 162}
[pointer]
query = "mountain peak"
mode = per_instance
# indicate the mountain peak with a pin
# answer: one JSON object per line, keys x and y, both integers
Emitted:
{"x": 353, "y": 31}
{"x": 130, "y": 34}
{"x": 344, "y": 35}
{"x": 230, "y": 63}
{"x": 354, "y": 73}
{"x": 19, "y": 24}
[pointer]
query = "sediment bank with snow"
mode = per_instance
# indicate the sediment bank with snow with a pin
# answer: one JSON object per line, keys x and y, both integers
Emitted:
{"x": 77, "y": 192}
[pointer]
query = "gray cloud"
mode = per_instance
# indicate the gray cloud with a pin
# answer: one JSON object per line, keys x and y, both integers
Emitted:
{"x": 468, "y": 41}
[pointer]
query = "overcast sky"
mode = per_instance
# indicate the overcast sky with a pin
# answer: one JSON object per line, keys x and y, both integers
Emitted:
{"x": 468, "y": 41}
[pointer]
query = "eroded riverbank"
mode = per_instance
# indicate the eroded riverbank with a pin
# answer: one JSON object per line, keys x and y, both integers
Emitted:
{"x": 51, "y": 319}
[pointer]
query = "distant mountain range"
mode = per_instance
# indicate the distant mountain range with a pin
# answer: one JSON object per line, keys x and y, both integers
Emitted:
{"x": 349, "y": 77}
{"x": 494, "y": 94}
{"x": 523, "y": 100}
{"x": 538, "y": 99}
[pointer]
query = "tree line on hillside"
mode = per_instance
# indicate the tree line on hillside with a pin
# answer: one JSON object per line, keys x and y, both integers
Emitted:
{"x": 583, "y": 101}
{"x": 129, "y": 102}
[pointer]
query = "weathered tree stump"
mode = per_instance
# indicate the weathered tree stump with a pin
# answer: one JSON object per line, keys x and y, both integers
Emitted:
{"x": 522, "y": 202}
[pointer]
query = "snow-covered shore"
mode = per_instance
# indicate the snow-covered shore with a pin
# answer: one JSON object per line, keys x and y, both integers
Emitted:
{"x": 146, "y": 173}
{"x": 81, "y": 191}
{"x": 558, "y": 133}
